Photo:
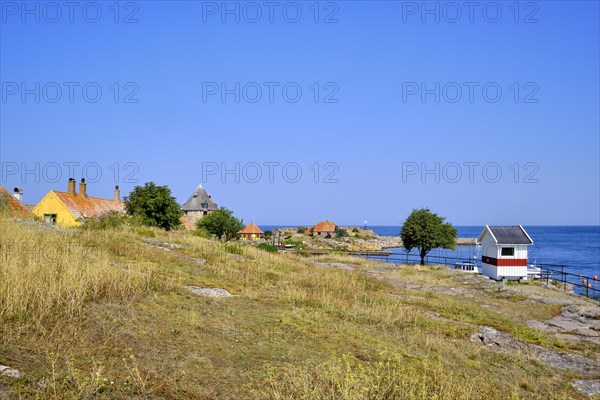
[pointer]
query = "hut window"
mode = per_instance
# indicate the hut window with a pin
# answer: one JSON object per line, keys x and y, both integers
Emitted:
{"x": 508, "y": 251}
{"x": 50, "y": 218}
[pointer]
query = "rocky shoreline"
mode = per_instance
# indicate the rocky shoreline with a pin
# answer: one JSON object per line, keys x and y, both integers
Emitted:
{"x": 358, "y": 239}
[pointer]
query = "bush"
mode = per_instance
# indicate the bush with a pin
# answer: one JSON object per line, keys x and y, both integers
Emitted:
{"x": 221, "y": 223}
{"x": 341, "y": 232}
{"x": 302, "y": 229}
{"x": 355, "y": 230}
{"x": 201, "y": 232}
{"x": 267, "y": 247}
{"x": 268, "y": 233}
{"x": 154, "y": 206}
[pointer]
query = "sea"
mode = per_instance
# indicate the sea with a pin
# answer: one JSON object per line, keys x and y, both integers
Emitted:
{"x": 577, "y": 248}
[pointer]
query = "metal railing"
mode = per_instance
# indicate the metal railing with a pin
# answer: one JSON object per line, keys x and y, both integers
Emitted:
{"x": 559, "y": 275}
{"x": 580, "y": 284}
{"x": 410, "y": 258}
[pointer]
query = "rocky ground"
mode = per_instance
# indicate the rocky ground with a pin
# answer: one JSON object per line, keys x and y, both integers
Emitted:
{"x": 579, "y": 319}
{"x": 358, "y": 239}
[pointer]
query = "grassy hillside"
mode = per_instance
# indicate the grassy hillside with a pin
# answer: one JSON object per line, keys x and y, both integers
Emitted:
{"x": 105, "y": 314}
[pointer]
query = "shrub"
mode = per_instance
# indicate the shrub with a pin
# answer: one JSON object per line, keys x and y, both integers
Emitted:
{"x": 201, "y": 232}
{"x": 154, "y": 206}
{"x": 355, "y": 230}
{"x": 267, "y": 247}
{"x": 221, "y": 223}
{"x": 340, "y": 232}
{"x": 302, "y": 229}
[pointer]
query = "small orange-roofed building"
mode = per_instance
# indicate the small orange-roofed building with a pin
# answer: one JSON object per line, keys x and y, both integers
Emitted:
{"x": 325, "y": 229}
{"x": 251, "y": 232}
{"x": 71, "y": 208}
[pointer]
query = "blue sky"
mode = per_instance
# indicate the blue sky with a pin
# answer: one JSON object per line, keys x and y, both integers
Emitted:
{"x": 368, "y": 130}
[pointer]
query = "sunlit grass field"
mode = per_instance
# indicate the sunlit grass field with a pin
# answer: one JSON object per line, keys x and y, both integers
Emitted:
{"x": 90, "y": 313}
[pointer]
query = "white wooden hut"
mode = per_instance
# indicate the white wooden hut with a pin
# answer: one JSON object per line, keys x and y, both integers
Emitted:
{"x": 504, "y": 252}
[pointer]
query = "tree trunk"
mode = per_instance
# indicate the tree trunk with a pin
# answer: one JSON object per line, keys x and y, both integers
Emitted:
{"x": 423, "y": 253}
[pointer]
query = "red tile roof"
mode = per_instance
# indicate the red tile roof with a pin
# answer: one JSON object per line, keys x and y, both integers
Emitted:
{"x": 16, "y": 208}
{"x": 325, "y": 227}
{"x": 251, "y": 229}
{"x": 89, "y": 207}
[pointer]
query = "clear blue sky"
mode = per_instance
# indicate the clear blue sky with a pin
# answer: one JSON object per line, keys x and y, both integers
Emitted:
{"x": 374, "y": 57}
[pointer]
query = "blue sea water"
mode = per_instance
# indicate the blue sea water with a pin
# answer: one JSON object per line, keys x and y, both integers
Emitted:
{"x": 577, "y": 247}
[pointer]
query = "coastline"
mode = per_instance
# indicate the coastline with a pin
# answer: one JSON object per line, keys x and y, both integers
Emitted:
{"x": 355, "y": 239}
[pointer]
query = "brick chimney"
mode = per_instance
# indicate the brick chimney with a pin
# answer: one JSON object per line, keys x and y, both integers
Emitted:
{"x": 71, "y": 187}
{"x": 83, "y": 188}
{"x": 117, "y": 193}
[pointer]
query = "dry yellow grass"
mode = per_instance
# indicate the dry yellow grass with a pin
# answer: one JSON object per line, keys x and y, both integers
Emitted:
{"x": 110, "y": 318}
{"x": 48, "y": 273}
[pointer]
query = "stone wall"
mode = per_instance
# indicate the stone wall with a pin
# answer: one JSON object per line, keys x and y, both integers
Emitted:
{"x": 195, "y": 216}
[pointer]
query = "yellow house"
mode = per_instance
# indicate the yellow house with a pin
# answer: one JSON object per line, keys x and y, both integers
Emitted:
{"x": 69, "y": 208}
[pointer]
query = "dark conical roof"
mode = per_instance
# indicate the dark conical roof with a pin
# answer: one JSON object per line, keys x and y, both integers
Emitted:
{"x": 199, "y": 201}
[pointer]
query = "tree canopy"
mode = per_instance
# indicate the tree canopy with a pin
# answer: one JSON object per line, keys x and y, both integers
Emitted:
{"x": 153, "y": 205}
{"x": 424, "y": 230}
{"x": 221, "y": 223}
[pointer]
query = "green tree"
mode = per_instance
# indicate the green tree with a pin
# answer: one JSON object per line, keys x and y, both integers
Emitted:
{"x": 424, "y": 230}
{"x": 153, "y": 205}
{"x": 221, "y": 223}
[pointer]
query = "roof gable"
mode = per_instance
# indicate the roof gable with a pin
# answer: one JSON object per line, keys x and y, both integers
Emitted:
{"x": 515, "y": 234}
{"x": 200, "y": 200}
{"x": 251, "y": 229}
